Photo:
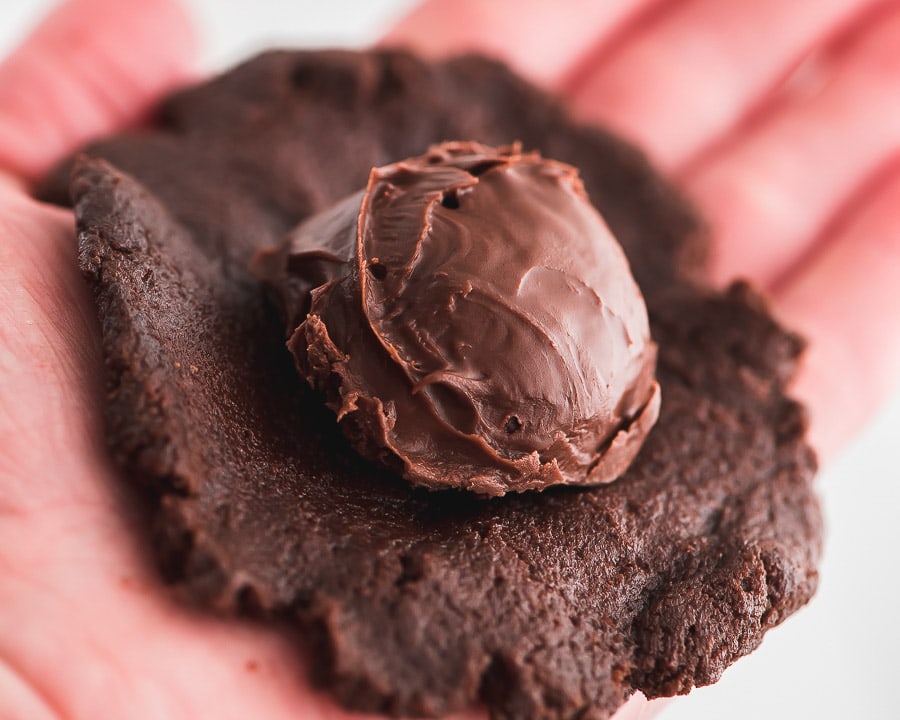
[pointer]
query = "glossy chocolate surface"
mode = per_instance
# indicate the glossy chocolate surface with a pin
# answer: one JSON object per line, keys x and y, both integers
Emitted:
{"x": 473, "y": 322}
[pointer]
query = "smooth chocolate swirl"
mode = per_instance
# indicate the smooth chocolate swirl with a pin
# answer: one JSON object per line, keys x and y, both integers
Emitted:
{"x": 473, "y": 322}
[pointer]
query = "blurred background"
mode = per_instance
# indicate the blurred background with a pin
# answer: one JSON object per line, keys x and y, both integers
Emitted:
{"x": 837, "y": 658}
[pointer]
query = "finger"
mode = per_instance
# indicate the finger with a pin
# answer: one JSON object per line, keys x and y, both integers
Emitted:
{"x": 91, "y": 66}
{"x": 20, "y": 698}
{"x": 847, "y": 301}
{"x": 639, "y": 707}
{"x": 770, "y": 192}
{"x": 543, "y": 40}
{"x": 695, "y": 70}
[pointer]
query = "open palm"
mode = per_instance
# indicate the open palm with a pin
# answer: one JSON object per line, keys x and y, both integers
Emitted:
{"x": 800, "y": 186}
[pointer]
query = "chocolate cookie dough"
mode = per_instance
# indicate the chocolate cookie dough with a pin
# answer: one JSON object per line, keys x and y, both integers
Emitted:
{"x": 541, "y": 605}
{"x": 473, "y": 323}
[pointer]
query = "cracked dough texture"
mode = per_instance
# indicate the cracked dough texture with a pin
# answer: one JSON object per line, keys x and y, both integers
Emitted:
{"x": 552, "y": 605}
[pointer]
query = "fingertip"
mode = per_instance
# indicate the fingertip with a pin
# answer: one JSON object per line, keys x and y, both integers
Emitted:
{"x": 91, "y": 66}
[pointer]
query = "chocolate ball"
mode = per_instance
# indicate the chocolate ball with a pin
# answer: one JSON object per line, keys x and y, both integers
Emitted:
{"x": 473, "y": 323}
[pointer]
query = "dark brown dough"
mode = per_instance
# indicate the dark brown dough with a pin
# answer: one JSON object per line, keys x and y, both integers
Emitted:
{"x": 551, "y": 605}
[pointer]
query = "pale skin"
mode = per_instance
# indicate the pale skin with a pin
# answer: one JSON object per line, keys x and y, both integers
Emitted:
{"x": 800, "y": 181}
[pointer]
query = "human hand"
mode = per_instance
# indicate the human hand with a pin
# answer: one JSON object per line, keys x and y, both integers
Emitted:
{"x": 75, "y": 585}
{"x": 87, "y": 629}
{"x": 781, "y": 120}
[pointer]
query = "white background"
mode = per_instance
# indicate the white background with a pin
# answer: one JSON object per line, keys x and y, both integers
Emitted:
{"x": 839, "y": 657}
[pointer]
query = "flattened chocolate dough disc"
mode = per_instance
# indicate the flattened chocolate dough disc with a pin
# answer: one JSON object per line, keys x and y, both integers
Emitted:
{"x": 557, "y": 605}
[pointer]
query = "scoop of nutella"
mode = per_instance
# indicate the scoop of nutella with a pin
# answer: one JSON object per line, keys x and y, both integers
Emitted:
{"x": 473, "y": 322}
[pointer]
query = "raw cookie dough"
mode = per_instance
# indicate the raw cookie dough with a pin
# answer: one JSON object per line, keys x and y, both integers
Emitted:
{"x": 552, "y": 605}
